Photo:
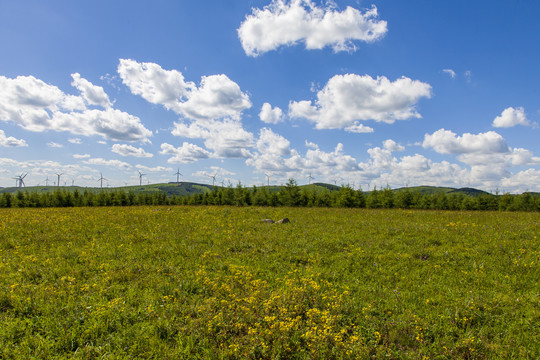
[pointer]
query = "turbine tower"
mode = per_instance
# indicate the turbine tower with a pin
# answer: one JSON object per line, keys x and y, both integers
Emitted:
{"x": 213, "y": 179}
{"x": 101, "y": 178}
{"x": 310, "y": 177}
{"x": 177, "y": 175}
{"x": 267, "y": 179}
{"x": 47, "y": 181}
{"x": 140, "y": 177}
{"x": 58, "y": 183}
{"x": 19, "y": 180}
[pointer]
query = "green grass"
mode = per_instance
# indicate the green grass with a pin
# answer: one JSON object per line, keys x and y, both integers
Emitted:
{"x": 215, "y": 282}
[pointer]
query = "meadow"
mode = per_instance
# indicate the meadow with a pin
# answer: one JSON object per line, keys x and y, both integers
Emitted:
{"x": 187, "y": 282}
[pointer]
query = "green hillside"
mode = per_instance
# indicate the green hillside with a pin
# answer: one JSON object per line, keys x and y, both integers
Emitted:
{"x": 445, "y": 190}
{"x": 189, "y": 188}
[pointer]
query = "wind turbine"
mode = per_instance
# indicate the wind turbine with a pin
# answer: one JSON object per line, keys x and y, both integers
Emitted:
{"x": 59, "y": 178}
{"x": 177, "y": 175}
{"x": 310, "y": 177}
{"x": 140, "y": 177}
{"x": 47, "y": 181}
{"x": 101, "y": 178}
{"x": 19, "y": 180}
{"x": 213, "y": 179}
{"x": 267, "y": 179}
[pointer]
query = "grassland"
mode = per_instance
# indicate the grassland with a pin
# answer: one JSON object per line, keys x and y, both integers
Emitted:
{"x": 215, "y": 282}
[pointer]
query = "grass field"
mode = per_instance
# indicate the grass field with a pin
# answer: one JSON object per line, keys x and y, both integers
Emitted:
{"x": 215, "y": 282}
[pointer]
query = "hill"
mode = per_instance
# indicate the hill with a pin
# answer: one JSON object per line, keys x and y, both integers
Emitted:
{"x": 445, "y": 190}
{"x": 189, "y": 188}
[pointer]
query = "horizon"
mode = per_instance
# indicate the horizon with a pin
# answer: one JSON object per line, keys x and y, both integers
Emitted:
{"x": 366, "y": 93}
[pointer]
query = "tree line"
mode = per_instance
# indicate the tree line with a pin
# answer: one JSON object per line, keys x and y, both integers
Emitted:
{"x": 289, "y": 195}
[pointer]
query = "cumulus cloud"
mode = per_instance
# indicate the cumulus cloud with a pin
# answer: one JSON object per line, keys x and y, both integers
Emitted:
{"x": 10, "y": 141}
{"x": 37, "y": 106}
{"x": 287, "y": 23}
{"x": 227, "y": 139}
{"x": 128, "y": 150}
{"x": 187, "y": 153}
{"x": 75, "y": 141}
{"x": 216, "y": 97}
{"x": 489, "y": 157}
{"x": 92, "y": 94}
{"x": 511, "y": 117}
{"x": 211, "y": 111}
{"x": 271, "y": 143}
{"x": 112, "y": 124}
{"x": 382, "y": 158}
{"x": 275, "y": 156}
{"x": 153, "y": 83}
{"x": 347, "y": 99}
{"x": 270, "y": 115}
{"x": 447, "y": 142}
{"x": 112, "y": 163}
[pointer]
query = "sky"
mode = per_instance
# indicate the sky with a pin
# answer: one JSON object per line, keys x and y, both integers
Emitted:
{"x": 365, "y": 93}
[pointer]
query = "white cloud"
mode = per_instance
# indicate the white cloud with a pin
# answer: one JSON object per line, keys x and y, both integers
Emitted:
{"x": 216, "y": 97}
{"x": 10, "y": 141}
{"x": 37, "y": 106}
{"x": 53, "y": 144}
{"x": 212, "y": 111}
{"x": 286, "y": 23}
{"x": 153, "y": 169}
{"x": 128, "y": 150}
{"x": 447, "y": 142}
{"x": 214, "y": 171}
{"x": 275, "y": 156}
{"x": 468, "y": 76}
{"x": 511, "y": 117}
{"x": 392, "y": 146}
{"x": 347, "y": 99}
{"x": 271, "y": 143}
{"x": 112, "y": 163}
{"x": 75, "y": 141}
{"x": 359, "y": 128}
{"x": 227, "y": 138}
{"x": 187, "y": 153}
{"x": 153, "y": 83}
{"x": 526, "y": 180}
{"x": 92, "y": 94}
{"x": 450, "y": 73}
{"x": 270, "y": 115}
{"x": 112, "y": 124}
{"x": 81, "y": 156}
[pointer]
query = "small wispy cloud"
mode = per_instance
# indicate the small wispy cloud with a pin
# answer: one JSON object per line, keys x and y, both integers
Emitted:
{"x": 53, "y": 144}
{"x": 450, "y": 72}
{"x": 468, "y": 76}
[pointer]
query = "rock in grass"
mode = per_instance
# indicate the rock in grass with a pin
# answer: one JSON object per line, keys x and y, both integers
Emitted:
{"x": 270, "y": 221}
{"x": 283, "y": 221}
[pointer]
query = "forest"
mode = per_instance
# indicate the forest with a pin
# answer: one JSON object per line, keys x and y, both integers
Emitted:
{"x": 289, "y": 195}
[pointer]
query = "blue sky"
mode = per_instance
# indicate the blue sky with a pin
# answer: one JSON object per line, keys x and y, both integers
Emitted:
{"x": 366, "y": 93}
